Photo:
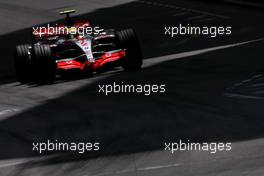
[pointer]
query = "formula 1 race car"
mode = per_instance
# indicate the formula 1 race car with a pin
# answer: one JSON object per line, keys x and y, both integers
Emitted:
{"x": 71, "y": 47}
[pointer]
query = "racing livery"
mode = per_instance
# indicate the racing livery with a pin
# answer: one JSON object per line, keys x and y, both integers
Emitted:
{"x": 54, "y": 53}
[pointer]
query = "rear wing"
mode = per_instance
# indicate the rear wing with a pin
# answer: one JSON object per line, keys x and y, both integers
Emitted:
{"x": 68, "y": 20}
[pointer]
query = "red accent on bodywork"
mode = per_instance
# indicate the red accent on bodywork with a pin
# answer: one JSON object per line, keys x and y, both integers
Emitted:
{"x": 66, "y": 65}
{"x": 106, "y": 58}
{"x": 82, "y": 66}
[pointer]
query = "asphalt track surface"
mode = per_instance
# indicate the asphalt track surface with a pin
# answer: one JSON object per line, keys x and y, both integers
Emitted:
{"x": 215, "y": 93}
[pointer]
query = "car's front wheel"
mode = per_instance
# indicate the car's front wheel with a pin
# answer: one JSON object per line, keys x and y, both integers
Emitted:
{"x": 128, "y": 40}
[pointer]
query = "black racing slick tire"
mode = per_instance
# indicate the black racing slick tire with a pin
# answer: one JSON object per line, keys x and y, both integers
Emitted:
{"x": 127, "y": 39}
{"x": 44, "y": 66}
{"x": 22, "y": 61}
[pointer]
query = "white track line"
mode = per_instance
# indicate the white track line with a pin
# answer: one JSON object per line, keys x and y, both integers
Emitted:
{"x": 158, "y": 60}
{"x": 139, "y": 169}
{"x": 183, "y": 8}
{"x": 7, "y": 111}
{"x": 180, "y": 14}
{"x": 159, "y": 167}
{"x": 11, "y": 164}
{"x": 231, "y": 95}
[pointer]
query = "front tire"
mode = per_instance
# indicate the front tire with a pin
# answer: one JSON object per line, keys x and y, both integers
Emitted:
{"x": 127, "y": 39}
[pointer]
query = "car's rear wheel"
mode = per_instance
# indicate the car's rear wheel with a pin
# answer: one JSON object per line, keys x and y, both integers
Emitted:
{"x": 22, "y": 63}
{"x": 44, "y": 66}
{"x": 128, "y": 40}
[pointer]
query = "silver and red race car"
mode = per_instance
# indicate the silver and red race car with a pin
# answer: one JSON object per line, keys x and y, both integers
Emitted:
{"x": 70, "y": 48}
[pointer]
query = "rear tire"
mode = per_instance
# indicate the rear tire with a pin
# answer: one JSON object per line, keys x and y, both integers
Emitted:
{"x": 22, "y": 63}
{"x": 127, "y": 39}
{"x": 44, "y": 66}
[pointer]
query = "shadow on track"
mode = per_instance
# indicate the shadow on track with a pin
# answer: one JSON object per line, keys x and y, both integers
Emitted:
{"x": 193, "y": 108}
